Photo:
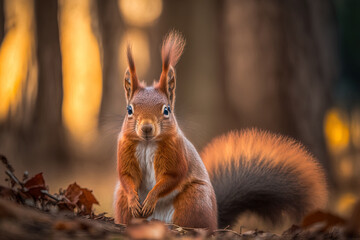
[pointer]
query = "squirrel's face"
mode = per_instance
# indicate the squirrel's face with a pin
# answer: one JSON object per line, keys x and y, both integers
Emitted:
{"x": 150, "y": 109}
{"x": 149, "y": 114}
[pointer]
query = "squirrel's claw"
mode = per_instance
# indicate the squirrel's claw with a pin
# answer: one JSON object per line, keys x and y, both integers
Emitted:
{"x": 148, "y": 207}
{"x": 135, "y": 208}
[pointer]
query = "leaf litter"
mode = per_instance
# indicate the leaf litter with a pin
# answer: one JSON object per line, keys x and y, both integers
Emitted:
{"x": 29, "y": 211}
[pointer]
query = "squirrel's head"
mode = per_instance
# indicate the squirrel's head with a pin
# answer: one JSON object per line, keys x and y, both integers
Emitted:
{"x": 150, "y": 110}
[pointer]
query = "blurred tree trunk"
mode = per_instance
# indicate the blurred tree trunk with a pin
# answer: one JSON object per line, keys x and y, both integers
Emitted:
{"x": 198, "y": 103}
{"x": 47, "y": 127}
{"x": 280, "y": 64}
{"x": 110, "y": 25}
{"x": 2, "y": 21}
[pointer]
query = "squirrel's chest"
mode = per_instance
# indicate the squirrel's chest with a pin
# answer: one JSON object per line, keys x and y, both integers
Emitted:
{"x": 145, "y": 154}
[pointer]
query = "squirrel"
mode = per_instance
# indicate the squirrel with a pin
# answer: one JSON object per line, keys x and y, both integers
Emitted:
{"x": 161, "y": 175}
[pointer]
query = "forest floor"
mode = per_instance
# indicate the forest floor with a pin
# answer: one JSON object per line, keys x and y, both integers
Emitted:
{"x": 28, "y": 211}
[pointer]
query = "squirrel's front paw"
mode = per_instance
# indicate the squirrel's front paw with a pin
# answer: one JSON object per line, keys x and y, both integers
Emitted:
{"x": 135, "y": 207}
{"x": 148, "y": 206}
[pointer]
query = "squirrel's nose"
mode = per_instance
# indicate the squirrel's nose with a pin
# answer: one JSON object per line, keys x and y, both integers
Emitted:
{"x": 147, "y": 128}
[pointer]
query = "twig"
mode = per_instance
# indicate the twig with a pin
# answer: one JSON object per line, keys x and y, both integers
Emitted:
{"x": 6, "y": 163}
{"x": 10, "y": 171}
{"x": 227, "y": 230}
{"x": 185, "y": 228}
{"x": 49, "y": 195}
{"x": 14, "y": 178}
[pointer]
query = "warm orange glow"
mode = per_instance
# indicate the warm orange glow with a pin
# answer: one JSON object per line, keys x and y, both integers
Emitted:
{"x": 15, "y": 53}
{"x": 336, "y": 128}
{"x": 140, "y": 48}
{"x": 346, "y": 167}
{"x": 140, "y": 12}
{"x": 82, "y": 79}
{"x": 346, "y": 202}
{"x": 355, "y": 128}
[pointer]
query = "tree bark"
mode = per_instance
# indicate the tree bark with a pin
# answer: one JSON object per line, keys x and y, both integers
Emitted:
{"x": 48, "y": 128}
{"x": 2, "y": 21}
{"x": 110, "y": 25}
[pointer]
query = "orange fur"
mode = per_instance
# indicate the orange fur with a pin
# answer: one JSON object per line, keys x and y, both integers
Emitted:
{"x": 130, "y": 177}
{"x": 152, "y": 151}
{"x": 121, "y": 208}
{"x": 195, "y": 206}
{"x": 276, "y": 150}
{"x": 170, "y": 169}
{"x": 178, "y": 168}
{"x": 172, "y": 49}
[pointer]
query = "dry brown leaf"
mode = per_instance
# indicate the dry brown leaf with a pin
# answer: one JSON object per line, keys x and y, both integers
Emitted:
{"x": 326, "y": 220}
{"x": 34, "y": 185}
{"x": 82, "y": 197}
{"x": 73, "y": 193}
{"x": 87, "y": 199}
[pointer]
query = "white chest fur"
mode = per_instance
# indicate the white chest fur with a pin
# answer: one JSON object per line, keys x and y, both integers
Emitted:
{"x": 145, "y": 153}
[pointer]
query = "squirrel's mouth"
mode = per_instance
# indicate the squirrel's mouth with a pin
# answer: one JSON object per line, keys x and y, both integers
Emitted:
{"x": 147, "y": 137}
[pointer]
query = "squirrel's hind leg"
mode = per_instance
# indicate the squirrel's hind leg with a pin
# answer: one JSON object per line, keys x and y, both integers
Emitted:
{"x": 122, "y": 214}
{"x": 196, "y": 207}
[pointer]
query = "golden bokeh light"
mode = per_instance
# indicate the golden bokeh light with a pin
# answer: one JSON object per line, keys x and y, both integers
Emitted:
{"x": 355, "y": 128}
{"x": 15, "y": 53}
{"x": 346, "y": 167}
{"x": 82, "y": 77}
{"x": 140, "y": 49}
{"x": 140, "y": 12}
{"x": 336, "y": 129}
{"x": 346, "y": 203}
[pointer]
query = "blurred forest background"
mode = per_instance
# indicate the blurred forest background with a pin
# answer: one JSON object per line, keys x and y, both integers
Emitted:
{"x": 288, "y": 66}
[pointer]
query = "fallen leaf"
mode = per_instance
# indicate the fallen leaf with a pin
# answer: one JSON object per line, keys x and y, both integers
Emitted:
{"x": 87, "y": 199}
{"x": 34, "y": 185}
{"x": 82, "y": 197}
{"x": 73, "y": 193}
{"x": 323, "y": 219}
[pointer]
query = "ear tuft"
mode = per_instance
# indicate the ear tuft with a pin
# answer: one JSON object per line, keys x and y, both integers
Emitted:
{"x": 131, "y": 82}
{"x": 130, "y": 59}
{"x": 172, "y": 49}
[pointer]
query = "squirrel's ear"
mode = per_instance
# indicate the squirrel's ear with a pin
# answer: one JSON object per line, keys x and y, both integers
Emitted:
{"x": 167, "y": 84}
{"x": 172, "y": 49}
{"x": 131, "y": 82}
{"x": 171, "y": 85}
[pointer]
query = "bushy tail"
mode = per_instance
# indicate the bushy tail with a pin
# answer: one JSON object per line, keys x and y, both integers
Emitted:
{"x": 263, "y": 173}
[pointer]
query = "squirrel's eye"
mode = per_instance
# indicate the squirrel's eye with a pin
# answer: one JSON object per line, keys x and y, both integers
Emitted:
{"x": 166, "y": 111}
{"x": 169, "y": 109}
{"x": 129, "y": 110}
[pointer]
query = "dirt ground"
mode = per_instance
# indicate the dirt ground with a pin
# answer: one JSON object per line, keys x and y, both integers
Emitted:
{"x": 29, "y": 211}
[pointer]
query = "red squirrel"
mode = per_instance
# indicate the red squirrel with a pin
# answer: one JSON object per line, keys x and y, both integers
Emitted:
{"x": 162, "y": 176}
